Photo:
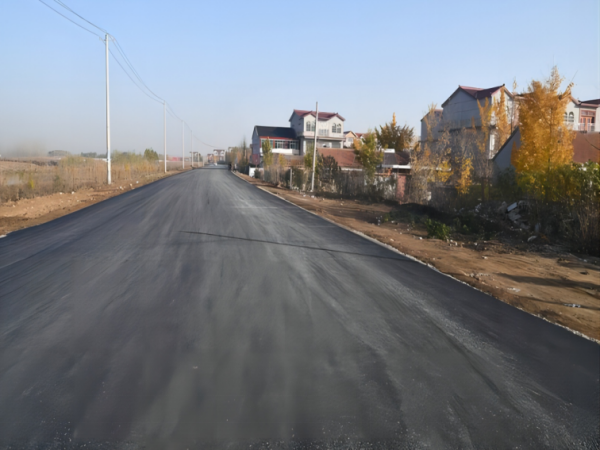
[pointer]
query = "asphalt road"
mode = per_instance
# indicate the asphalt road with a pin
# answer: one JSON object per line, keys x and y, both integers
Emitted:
{"x": 124, "y": 326}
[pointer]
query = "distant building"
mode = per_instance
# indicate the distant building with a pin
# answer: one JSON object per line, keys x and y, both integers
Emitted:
{"x": 300, "y": 135}
{"x": 461, "y": 111}
{"x": 330, "y": 129}
{"x": 396, "y": 162}
{"x": 58, "y": 153}
{"x": 346, "y": 160}
{"x": 283, "y": 140}
{"x": 586, "y": 147}
{"x": 219, "y": 155}
{"x": 349, "y": 138}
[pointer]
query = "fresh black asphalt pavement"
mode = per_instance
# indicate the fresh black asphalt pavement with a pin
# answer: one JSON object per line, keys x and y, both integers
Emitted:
{"x": 201, "y": 312}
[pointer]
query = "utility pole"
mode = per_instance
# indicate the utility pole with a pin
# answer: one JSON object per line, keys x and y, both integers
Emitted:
{"x": 192, "y": 144}
{"x": 107, "y": 116}
{"x": 182, "y": 145}
{"x": 312, "y": 184}
{"x": 165, "y": 131}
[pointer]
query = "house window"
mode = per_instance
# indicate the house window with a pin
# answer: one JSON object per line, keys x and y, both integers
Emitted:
{"x": 565, "y": 118}
{"x": 571, "y": 117}
{"x": 334, "y": 128}
{"x": 310, "y": 126}
{"x": 339, "y": 128}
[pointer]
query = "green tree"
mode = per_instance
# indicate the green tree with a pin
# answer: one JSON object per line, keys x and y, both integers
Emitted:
{"x": 368, "y": 154}
{"x": 308, "y": 159}
{"x": 267, "y": 153}
{"x": 391, "y": 135}
{"x": 329, "y": 168}
{"x": 150, "y": 154}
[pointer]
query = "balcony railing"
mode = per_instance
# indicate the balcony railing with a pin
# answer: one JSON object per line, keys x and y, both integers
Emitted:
{"x": 587, "y": 127}
{"x": 322, "y": 133}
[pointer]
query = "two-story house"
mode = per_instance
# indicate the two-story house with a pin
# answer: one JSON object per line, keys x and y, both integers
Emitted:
{"x": 330, "y": 129}
{"x": 349, "y": 138}
{"x": 461, "y": 111}
{"x": 583, "y": 116}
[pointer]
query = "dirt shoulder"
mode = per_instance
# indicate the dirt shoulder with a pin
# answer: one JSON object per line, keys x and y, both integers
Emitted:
{"x": 35, "y": 211}
{"x": 555, "y": 285}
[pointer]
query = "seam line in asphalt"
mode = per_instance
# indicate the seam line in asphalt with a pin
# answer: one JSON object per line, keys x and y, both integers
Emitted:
{"x": 298, "y": 246}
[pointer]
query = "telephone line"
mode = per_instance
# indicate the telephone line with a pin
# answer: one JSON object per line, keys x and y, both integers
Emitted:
{"x": 81, "y": 17}
{"x": 140, "y": 84}
{"x": 122, "y": 52}
{"x": 132, "y": 80}
{"x": 72, "y": 21}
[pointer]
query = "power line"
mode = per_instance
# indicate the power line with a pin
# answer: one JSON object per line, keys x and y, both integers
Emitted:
{"x": 118, "y": 46}
{"x": 208, "y": 145}
{"x": 133, "y": 81}
{"x": 140, "y": 84}
{"x": 61, "y": 14}
{"x": 81, "y": 17}
{"x": 122, "y": 52}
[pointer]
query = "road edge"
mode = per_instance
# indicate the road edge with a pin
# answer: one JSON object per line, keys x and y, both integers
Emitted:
{"x": 389, "y": 247}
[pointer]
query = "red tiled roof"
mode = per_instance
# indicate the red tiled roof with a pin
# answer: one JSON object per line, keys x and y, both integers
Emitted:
{"x": 344, "y": 158}
{"x": 322, "y": 114}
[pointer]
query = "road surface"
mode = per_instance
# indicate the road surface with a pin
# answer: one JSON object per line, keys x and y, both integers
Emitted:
{"x": 202, "y": 312}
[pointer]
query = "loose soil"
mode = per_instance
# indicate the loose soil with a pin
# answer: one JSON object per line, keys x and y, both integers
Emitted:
{"x": 15, "y": 215}
{"x": 545, "y": 281}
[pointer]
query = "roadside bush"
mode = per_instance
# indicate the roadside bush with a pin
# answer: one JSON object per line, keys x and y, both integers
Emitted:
{"x": 566, "y": 203}
{"x": 437, "y": 230}
{"x": 298, "y": 176}
{"x": 506, "y": 188}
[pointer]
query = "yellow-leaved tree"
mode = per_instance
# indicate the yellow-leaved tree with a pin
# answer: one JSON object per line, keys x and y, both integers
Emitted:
{"x": 481, "y": 157}
{"x": 431, "y": 159}
{"x": 501, "y": 122}
{"x": 464, "y": 181}
{"x": 546, "y": 141}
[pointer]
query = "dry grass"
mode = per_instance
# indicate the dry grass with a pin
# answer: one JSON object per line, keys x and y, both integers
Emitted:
{"x": 28, "y": 178}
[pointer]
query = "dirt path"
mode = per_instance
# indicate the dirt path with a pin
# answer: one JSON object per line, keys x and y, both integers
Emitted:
{"x": 557, "y": 286}
{"x": 35, "y": 211}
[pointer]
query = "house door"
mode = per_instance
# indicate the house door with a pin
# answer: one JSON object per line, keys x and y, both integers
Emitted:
{"x": 586, "y": 123}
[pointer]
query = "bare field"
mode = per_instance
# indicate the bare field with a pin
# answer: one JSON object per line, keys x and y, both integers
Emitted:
{"x": 27, "y": 212}
{"x": 34, "y": 177}
{"x": 558, "y": 286}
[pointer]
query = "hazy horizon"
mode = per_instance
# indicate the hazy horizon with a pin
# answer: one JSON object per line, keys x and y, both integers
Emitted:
{"x": 226, "y": 67}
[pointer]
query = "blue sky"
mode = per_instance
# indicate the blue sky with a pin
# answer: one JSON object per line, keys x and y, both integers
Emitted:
{"x": 225, "y": 66}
